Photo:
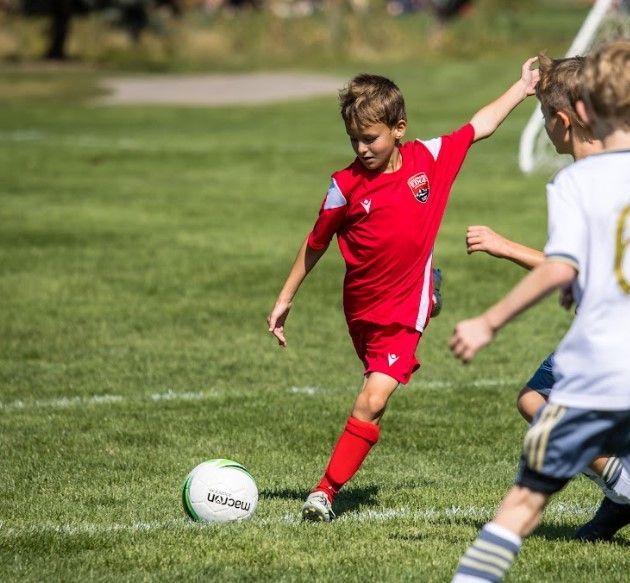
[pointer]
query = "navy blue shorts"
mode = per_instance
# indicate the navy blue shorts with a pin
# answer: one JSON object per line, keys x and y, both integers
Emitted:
{"x": 562, "y": 441}
{"x": 542, "y": 381}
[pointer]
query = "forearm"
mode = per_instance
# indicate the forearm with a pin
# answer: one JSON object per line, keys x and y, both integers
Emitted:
{"x": 305, "y": 260}
{"x": 522, "y": 255}
{"x": 533, "y": 287}
{"x": 490, "y": 117}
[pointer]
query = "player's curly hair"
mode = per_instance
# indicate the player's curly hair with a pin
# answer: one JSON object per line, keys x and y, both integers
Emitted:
{"x": 560, "y": 84}
{"x": 607, "y": 83}
{"x": 368, "y": 99}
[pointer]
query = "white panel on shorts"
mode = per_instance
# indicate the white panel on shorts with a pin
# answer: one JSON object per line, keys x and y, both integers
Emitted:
{"x": 425, "y": 297}
{"x": 334, "y": 198}
{"x": 434, "y": 146}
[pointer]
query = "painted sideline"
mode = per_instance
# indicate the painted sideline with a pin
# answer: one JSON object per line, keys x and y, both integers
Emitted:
{"x": 555, "y": 511}
{"x": 170, "y": 395}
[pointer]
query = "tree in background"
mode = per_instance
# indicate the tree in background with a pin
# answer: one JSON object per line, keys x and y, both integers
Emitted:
{"x": 447, "y": 9}
{"x": 132, "y": 15}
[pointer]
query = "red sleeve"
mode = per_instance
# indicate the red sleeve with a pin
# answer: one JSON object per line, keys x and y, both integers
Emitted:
{"x": 331, "y": 215}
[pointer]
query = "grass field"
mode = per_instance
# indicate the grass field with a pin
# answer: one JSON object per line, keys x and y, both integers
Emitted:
{"x": 141, "y": 249}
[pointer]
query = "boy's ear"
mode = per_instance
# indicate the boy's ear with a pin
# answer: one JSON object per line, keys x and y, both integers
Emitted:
{"x": 400, "y": 129}
{"x": 582, "y": 112}
{"x": 564, "y": 118}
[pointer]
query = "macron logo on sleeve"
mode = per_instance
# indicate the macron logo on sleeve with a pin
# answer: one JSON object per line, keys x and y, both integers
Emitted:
{"x": 392, "y": 358}
{"x": 366, "y": 204}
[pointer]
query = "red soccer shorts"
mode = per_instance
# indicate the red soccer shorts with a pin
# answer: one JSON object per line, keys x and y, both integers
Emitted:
{"x": 387, "y": 349}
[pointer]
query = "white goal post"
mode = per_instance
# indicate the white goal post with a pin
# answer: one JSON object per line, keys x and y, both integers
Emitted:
{"x": 535, "y": 148}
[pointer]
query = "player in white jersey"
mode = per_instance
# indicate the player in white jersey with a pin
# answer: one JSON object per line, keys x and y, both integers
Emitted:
{"x": 589, "y": 245}
{"x": 558, "y": 90}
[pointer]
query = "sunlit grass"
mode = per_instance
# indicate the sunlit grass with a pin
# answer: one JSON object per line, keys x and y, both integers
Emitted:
{"x": 140, "y": 250}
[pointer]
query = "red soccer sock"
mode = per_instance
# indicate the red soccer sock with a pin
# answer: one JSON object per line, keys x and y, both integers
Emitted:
{"x": 351, "y": 449}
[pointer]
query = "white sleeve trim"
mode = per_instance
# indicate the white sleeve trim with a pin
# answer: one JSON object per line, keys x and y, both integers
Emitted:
{"x": 334, "y": 198}
{"x": 434, "y": 146}
{"x": 563, "y": 258}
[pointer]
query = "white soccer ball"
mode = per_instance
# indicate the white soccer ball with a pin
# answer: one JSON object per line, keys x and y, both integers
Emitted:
{"x": 219, "y": 490}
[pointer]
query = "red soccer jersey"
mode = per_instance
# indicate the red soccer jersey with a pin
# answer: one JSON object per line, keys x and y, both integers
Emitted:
{"x": 386, "y": 225}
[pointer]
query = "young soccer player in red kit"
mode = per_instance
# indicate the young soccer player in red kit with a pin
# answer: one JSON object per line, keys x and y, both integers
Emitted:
{"x": 385, "y": 208}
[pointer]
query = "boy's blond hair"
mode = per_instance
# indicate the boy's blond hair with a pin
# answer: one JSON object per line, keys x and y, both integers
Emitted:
{"x": 607, "y": 83}
{"x": 370, "y": 99}
{"x": 560, "y": 85}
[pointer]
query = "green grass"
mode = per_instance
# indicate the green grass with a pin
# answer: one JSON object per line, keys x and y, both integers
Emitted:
{"x": 140, "y": 250}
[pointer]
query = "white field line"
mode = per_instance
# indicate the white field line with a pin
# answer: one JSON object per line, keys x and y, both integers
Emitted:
{"x": 170, "y": 395}
{"x": 72, "y": 402}
{"x": 125, "y": 144}
{"x": 556, "y": 511}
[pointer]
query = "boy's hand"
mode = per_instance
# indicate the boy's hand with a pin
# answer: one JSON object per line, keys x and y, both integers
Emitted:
{"x": 529, "y": 76}
{"x": 276, "y": 320}
{"x": 482, "y": 238}
{"x": 469, "y": 337}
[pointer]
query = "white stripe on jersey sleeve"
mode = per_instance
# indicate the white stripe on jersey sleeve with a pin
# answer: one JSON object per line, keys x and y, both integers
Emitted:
{"x": 434, "y": 146}
{"x": 334, "y": 198}
{"x": 425, "y": 296}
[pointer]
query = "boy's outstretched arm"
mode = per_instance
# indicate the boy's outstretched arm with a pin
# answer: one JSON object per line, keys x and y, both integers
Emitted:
{"x": 489, "y": 118}
{"x": 304, "y": 262}
{"x": 470, "y": 336}
{"x": 482, "y": 238}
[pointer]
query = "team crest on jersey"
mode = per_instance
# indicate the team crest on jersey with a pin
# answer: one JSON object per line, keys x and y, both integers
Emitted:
{"x": 419, "y": 184}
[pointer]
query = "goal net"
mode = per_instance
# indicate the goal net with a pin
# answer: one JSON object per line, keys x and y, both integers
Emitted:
{"x": 607, "y": 20}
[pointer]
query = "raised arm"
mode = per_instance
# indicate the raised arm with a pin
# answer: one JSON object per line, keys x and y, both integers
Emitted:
{"x": 482, "y": 238}
{"x": 304, "y": 261}
{"x": 489, "y": 118}
{"x": 470, "y": 336}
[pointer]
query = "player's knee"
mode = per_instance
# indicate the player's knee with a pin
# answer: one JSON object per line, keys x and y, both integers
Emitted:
{"x": 525, "y": 501}
{"x": 522, "y": 408}
{"x": 528, "y": 402}
{"x": 376, "y": 403}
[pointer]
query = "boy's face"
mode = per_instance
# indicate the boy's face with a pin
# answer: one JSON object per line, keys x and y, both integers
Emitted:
{"x": 375, "y": 144}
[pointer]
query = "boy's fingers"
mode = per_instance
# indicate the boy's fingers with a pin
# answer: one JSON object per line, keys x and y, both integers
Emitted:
{"x": 529, "y": 62}
{"x": 455, "y": 341}
{"x": 278, "y": 333}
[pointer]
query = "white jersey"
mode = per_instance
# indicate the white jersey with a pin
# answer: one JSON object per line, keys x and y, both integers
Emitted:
{"x": 589, "y": 228}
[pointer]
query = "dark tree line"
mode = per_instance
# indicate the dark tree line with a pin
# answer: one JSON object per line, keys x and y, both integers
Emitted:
{"x": 133, "y": 15}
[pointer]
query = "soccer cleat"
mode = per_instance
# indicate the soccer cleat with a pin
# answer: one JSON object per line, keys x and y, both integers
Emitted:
{"x": 437, "y": 296}
{"x": 609, "y": 518}
{"x": 317, "y": 508}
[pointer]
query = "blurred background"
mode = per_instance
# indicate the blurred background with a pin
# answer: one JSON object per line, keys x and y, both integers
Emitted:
{"x": 143, "y": 241}
{"x": 245, "y": 34}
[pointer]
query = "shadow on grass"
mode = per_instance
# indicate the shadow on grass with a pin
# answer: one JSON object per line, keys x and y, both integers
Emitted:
{"x": 551, "y": 532}
{"x": 345, "y": 501}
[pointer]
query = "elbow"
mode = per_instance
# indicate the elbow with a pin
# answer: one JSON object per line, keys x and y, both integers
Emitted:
{"x": 561, "y": 273}
{"x": 482, "y": 131}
